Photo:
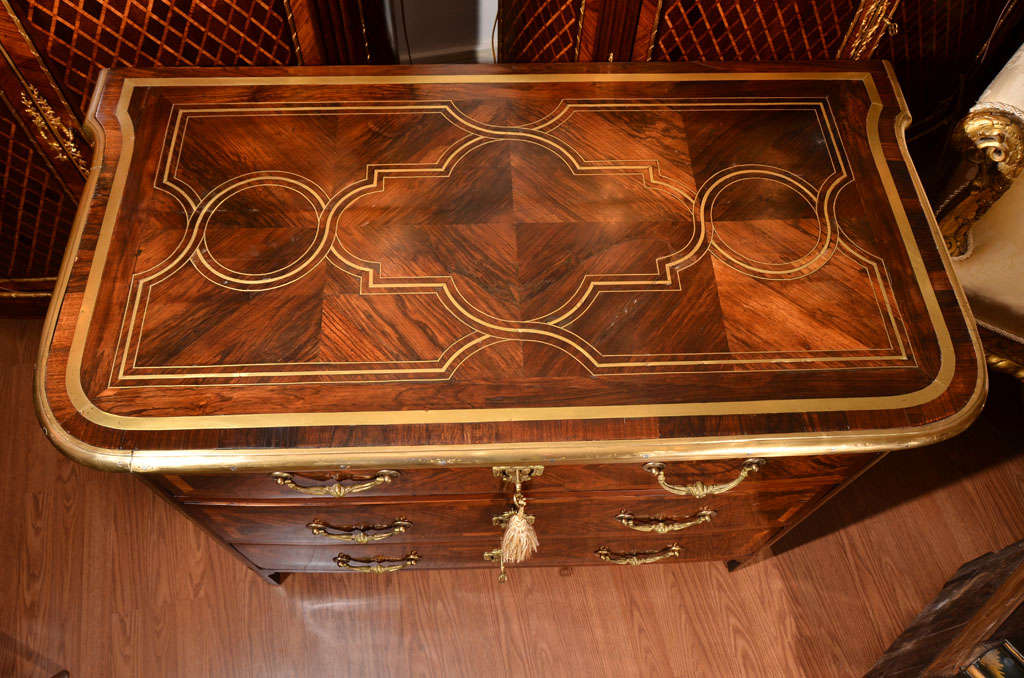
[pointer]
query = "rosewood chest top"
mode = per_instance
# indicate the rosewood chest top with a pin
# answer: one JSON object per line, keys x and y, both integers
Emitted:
{"x": 323, "y": 268}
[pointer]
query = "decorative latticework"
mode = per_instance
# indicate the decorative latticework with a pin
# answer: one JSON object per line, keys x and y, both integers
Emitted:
{"x": 35, "y": 209}
{"x": 540, "y": 30}
{"x": 751, "y": 30}
{"x": 77, "y": 38}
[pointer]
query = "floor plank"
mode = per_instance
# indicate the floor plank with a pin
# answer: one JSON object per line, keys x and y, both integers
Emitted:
{"x": 104, "y": 579}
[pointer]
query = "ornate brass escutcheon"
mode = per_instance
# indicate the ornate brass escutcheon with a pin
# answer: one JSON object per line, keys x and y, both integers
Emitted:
{"x": 511, "y": 474}
{"x": 638, "y": 557}
{"x": 664, "y": 525}
{"x": 377, "y": 564}
{"x": 697, "y": 488}
{"x": 335, "y": 489}
{"x": 359, "y": 534}
{"x": 519, "y": 540}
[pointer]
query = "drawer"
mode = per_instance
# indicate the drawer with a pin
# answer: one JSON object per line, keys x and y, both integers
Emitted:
{"x": 783, "y": 471}
{"x": 445, "y": 519}
{"x": 469, "y": 554}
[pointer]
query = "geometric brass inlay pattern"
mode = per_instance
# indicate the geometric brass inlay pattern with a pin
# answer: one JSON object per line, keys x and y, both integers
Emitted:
{"x": 332, "y": 243}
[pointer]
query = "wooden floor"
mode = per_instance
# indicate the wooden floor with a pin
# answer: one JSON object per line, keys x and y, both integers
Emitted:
{"x": 100, "y": 577}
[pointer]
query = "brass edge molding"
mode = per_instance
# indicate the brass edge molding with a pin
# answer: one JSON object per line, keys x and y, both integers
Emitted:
{"x": 991, "y": 137}
{"x": 51, "y": 129}
{"x": 871, "y": 18}
{"x": 78, "y": 450}
{"x": 969, "y": 412}
{"x": 488, "y": 454}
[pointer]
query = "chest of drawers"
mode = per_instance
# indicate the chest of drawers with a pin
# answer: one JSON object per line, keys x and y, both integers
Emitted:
{"x": 330, "y": 312}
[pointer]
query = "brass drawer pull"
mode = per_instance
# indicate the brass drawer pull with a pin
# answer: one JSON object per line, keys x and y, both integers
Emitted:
{"x": 359, "y": 534}
{"x": 335, "y": 489}
{"x": 663, "y": 525}
{"x": 638, "y": 557}
{"x": 697, "y": 488}
{"x": 377, "y": 564}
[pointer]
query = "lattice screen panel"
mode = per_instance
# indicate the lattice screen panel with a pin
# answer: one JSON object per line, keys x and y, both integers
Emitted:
{"x": 35, "y": 210}
{"x": 79, "y": 37}
{"x": 751, "y": 30}
{"x": 540, "y": 30}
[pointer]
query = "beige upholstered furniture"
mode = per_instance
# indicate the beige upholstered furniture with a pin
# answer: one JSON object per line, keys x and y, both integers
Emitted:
{"x": 983, "y": 219}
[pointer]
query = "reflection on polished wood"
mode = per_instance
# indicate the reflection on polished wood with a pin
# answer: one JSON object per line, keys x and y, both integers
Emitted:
{"x": 104, "y": 579}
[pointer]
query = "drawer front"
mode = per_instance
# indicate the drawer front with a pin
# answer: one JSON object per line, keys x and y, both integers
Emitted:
{"x": 469, "y": 554}
{"x": 444, "y": 519}
{"x": 790, "y": 472}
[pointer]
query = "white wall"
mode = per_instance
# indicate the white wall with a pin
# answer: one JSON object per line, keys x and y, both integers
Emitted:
{"x": 444, "y": 30}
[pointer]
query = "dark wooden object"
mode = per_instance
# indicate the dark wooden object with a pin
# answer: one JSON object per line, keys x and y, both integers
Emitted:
{"x": 435, "y": 269}
{"x": 982, "y": 605}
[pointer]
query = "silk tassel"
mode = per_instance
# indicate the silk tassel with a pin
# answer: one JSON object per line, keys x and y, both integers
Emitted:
{"x": 520, "y": 539}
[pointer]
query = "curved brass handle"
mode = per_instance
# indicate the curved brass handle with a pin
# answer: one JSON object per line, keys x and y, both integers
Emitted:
{"x": 377, "y": 564}
{"x": 697, "y": 488}
{"x": 663, "y": 525}
{"x": 359, "y": 534}
{"x": 638, "y": 557}
{"x": 335, "y": 489}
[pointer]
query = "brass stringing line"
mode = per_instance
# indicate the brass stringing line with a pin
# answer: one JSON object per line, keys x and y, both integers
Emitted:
{"x": 893, "y": 309}
{"x": 724, "y": 181}
{"x": 178, "y": 139}
{"x": 475, "y": 345}
{"x": 571, "y": 169}
{"x": 139, "y": 371}
{"x": 204, "y": 246}
{"x": 142, "y": 327}
{"x": 866, "y": 259}
{"x": 161, "y": 163}
{"x": 174, "y": 261}
{"x": 809, "y": 195}
{"x": 216, "y": 197}
{"x": 467, "y": 356}
{"x": 876, "y": 282}
{"x": 177, "y": 142}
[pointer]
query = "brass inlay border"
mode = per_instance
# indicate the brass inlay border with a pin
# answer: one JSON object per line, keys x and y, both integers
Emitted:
{"x": 552, "y": 328}
{"x": 608, "y": 451}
